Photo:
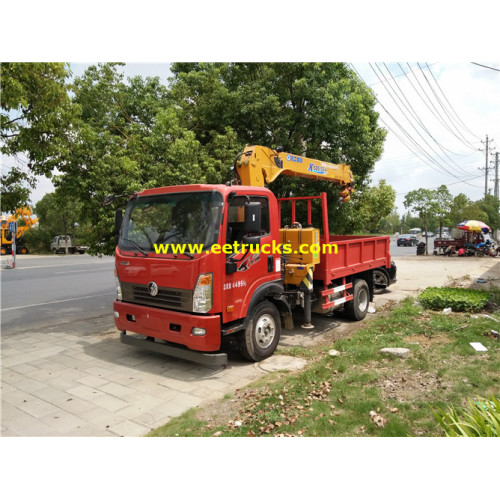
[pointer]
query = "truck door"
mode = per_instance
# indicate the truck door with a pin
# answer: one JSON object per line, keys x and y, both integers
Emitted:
{"x": 253, "y": 266}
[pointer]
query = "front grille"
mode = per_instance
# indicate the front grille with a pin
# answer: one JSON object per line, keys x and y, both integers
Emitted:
{"x": 167, "y": 298}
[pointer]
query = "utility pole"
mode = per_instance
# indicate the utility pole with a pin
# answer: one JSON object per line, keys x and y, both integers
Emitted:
{"x": 486, "y": 168}
{"x": 496, "y": 177}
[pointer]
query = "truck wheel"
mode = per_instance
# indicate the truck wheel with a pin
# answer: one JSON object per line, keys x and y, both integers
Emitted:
{"x": 262, "y": 334}
{"x": 4, "y": 251}
{"x": 23, "y": 250}
{"x": 357, "y": 308}
{"x": 54, "y": 251}
{"x": 380, "y": 279}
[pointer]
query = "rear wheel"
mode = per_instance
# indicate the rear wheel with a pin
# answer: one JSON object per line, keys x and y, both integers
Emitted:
{"x": 23, "y": 250}
{"x": 380, "y": 279}
{"x": 357, "y": 308}
{"x": 261, "y": 337}
{"x": 4, "y": 251}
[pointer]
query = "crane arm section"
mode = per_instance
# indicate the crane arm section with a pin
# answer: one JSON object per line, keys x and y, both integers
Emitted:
{"x": 259, "y": 165}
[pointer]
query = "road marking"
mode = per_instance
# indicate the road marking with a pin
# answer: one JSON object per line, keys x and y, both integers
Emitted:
{"x": 60, "y": 265}
{"x": 80, "y": 271}
{"x": 56, "y": 301}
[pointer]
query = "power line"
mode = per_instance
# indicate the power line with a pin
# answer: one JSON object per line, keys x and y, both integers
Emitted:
{"x": 488, "y": 67}
{"x": 449, "y": 104}
{"x": 441, "y": 104}
{"x": 416, "y": 144}
{"x": 410, "y": 138}
{"x": 427, "y": 100}
{"x": 422, "y": 124}
{"x": 450, "y": 184}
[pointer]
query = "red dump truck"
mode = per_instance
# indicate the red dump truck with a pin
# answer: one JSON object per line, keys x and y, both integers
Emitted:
{"x": 203, "y": 267}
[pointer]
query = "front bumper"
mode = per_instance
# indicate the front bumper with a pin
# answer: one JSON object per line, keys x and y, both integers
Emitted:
{"x": 171, "y": 326}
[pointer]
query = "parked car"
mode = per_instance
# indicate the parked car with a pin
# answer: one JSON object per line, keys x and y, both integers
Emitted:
{"x": 383, "y": 277}
{"x": 407, "y": 240}
{"x": 59, "y": 244}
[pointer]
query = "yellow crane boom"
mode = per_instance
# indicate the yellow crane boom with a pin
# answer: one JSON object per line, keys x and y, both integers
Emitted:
{"x": 259, "y": 165}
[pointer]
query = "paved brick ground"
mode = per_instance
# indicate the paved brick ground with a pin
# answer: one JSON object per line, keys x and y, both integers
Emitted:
{"x": 77, "y": 379}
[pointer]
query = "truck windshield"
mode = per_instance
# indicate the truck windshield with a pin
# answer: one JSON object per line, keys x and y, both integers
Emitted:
{"x": 191, "y": 218}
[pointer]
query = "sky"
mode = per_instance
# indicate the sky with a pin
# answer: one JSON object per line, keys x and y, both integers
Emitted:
{"x": 437, "y": 116}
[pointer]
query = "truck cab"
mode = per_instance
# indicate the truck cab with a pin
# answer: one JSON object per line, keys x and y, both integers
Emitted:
{"x": 176, "y": 280}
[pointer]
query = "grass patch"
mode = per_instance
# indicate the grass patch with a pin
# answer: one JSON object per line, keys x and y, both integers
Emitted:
{"x": 458, "y": 299}
{"x": 360, "y": 392}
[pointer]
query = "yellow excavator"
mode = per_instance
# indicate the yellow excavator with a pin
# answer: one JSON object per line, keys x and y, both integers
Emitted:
{"x": 24, "y": 213}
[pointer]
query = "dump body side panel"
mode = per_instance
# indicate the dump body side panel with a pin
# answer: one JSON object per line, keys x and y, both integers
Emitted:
{"x": 355, "y": 254}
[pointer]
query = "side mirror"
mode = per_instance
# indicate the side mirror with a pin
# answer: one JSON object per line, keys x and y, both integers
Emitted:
{"x": 231, "y": 267}
{"x": 118, "y": 224}
{"x": 253, "y": 217}
{"x": 108, "y": 200}
{"x": 253, "y": 240}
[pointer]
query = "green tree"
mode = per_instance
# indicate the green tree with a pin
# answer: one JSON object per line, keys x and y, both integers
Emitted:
{"x": 444, "y": 201}
{"x": 319, "y": 110}
{"x": 376, "y": 203}
{"x": 463, "y": 209}
{"x": 60, "y": 213}
{"x": 490, "y": 206}
{"x": 424, "y": 203}
{"x": 132, "y": 134}
{"x": 35, "y": 118}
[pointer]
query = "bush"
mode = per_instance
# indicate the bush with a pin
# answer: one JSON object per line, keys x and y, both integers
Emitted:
{"x": 459, "y": 299}
{"x": 37, "y": 240}
{"x": 482, "y": 420}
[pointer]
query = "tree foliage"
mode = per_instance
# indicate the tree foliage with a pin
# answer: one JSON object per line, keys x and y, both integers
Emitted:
{"x": 376, "y": 203}
{"x": 116, "y": 135}
{"x": 424, "y": 203}
{"x": 35, "y": 121}
{"x": 319, "y": 110}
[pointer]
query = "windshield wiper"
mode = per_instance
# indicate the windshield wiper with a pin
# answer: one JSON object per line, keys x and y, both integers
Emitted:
{"x": 136, "y": 246}
{"x": 190, "y": 255}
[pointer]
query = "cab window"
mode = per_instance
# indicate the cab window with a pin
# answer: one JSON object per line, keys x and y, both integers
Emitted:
{"x": 236, "y": 217}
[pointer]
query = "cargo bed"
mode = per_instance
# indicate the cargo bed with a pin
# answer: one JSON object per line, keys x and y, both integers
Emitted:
{"x": 355, "y": 254}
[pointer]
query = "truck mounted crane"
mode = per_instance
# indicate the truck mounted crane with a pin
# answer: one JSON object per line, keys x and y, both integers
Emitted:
{"x": 178, "y": 293}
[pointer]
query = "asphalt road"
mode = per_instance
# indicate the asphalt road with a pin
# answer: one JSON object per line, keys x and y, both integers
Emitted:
{"x": 54, "y": 289}
{"x": 404, "y": 251}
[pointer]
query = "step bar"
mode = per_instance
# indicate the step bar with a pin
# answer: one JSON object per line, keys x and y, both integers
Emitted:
{"x": 204, "y": 358}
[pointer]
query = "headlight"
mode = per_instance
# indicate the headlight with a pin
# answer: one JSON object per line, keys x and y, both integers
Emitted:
{"x": 118, "y": 287}
{"x": 202, "y": 295}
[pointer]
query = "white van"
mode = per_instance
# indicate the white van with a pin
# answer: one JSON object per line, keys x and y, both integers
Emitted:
{"x": 416, "y": 231}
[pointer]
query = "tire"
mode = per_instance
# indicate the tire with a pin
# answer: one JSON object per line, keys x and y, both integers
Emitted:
{"x": 23, "y": 251}
{"x": 54, "y": 251}
{"x": 261, "y": 336}
{"x": 381, "y": 279}
{"x": 357, "y": 308}
{"x": 81, "y": 252}
{"x": 4, "y": 251}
